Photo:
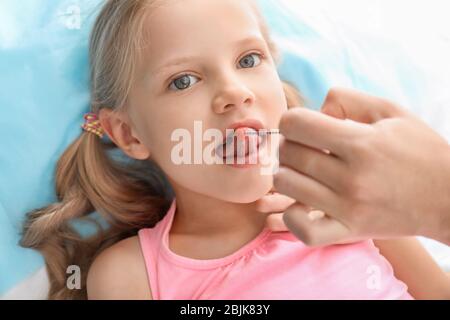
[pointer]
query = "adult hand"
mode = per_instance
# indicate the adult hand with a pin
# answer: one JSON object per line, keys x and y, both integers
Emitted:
{"x": 373, "y": 168}
{"x": 274, "y": 204}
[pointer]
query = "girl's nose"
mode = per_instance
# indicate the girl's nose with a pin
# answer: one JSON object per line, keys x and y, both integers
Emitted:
{"x": 233, "y": 95}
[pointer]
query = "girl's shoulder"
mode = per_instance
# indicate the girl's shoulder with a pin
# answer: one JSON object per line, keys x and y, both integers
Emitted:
{"x": 119, "y": 272}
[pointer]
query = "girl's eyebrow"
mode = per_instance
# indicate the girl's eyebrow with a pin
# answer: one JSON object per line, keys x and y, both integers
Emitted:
{"x": 181, "y": 60}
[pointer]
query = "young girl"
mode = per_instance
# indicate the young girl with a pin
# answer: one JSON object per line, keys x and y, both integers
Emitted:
{"x": 193, "y": 231}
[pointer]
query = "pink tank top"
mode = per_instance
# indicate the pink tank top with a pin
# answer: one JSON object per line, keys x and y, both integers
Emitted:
{"x": 274, "y": 265}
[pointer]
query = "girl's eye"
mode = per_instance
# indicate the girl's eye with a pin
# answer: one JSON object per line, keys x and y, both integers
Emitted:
{"x": 249, "y": 61}
{"x": 182, "y": 82}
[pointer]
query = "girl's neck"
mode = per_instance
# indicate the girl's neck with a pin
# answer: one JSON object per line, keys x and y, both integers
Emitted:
{"x": 201, "y": 215}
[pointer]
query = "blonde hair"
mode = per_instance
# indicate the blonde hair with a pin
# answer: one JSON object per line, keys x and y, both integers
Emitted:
{"x": 129, "y": 195}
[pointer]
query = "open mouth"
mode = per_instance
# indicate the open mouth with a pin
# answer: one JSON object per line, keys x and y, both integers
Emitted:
{"x": 242, "y": 142}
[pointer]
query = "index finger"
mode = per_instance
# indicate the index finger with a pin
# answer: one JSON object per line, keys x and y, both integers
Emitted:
{"x": 350, "y": 104}
{"x": 320, "y": 131}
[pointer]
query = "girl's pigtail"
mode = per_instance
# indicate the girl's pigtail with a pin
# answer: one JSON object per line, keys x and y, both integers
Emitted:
{"x": 88, "y": 180}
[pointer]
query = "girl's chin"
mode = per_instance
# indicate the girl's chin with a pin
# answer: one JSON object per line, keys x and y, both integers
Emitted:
{"x": 243, "y": 195}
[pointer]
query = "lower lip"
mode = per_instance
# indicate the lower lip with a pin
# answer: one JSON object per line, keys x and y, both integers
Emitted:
{"x": 246, "y": 159}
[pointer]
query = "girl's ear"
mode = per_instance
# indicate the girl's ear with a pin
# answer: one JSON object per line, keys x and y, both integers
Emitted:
{"x": 117, "y": 126}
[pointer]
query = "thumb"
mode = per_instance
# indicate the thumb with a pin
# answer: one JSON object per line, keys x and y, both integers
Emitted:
{"x": 315, "y": 229}
{"x": 350, "y": 104}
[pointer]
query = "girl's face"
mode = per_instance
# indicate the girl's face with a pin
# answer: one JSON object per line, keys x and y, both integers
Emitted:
{"x": 205, "y": 61}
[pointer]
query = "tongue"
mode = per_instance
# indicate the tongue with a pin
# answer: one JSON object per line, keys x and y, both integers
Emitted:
{"x": 245, "y": 141}
{"x": 241, "y": 142}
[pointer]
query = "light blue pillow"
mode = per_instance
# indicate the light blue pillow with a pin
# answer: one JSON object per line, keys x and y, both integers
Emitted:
{"x": 44, "y": 92}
